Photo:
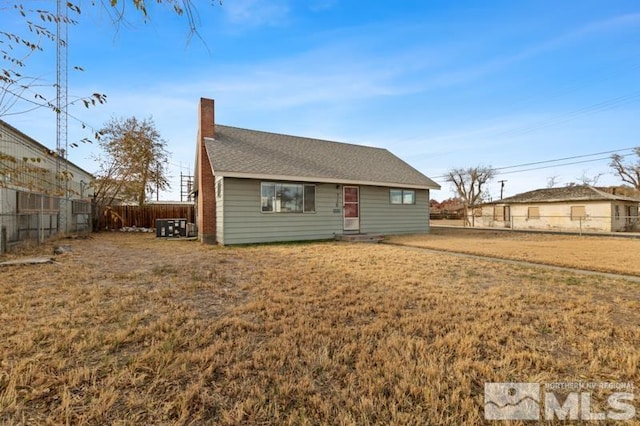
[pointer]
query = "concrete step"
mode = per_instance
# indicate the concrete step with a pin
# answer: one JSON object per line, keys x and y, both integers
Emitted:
{"x": 360, "y": 238}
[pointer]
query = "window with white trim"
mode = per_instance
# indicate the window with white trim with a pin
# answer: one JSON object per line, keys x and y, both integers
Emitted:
{"x": 287, "y": 197}
{"x": 402, "y": 196}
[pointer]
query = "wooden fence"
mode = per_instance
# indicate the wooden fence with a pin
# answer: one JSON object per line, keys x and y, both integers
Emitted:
{"x": 116, "y": 217}
{"x": 436, "y": 214}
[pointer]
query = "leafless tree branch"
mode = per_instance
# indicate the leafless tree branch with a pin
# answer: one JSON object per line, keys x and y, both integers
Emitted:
{"x": 628, "y": 172}
{"x": 469, "y": 184}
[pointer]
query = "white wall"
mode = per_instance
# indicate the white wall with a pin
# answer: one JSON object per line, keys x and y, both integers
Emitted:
{"x": 557, "y": 217}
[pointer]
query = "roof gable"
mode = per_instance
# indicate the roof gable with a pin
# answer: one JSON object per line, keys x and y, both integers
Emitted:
{"x": 239, "y": 152}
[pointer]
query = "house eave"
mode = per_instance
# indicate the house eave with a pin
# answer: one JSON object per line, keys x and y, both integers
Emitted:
{"x": 259, "y": 176}
{"x": 573, "y": 200}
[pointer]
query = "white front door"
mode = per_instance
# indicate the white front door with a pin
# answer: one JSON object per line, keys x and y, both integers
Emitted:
{"x": 351, "y": 208}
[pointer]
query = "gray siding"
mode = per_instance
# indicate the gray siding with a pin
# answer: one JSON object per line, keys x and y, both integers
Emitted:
{"x": 219, "y": 184}
{"x": 240, "y": 221}
{"x": 379, "y": 216}
{"x": 245, "y": 223}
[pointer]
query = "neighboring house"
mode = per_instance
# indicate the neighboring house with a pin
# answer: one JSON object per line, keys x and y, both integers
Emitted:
{"x": 254, "y": 187}
{"x": 448, "y": 209}
{"x": 33, "y": 184}
{"x": 571, "y": 208}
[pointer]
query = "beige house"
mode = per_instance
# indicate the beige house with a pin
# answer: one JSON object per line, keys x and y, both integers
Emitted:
{"x": 572, "y": 209}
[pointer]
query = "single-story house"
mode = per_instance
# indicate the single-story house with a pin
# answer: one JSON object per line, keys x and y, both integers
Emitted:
{"x": 571, "y": 208}
{"x": 254, "y": 187}
{"x": 41, "y": 194}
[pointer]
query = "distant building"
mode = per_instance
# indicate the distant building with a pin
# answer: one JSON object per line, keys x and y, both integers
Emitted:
{"x": 34, "y": 190}
{"x": 448, "y": 209}
{"x": 571, "y": 208}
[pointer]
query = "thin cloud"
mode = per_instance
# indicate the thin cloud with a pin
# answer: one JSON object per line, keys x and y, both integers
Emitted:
{"x": 255, "y": 13}
{"x": 321, "y": 5}
{"x": 467, "y": 74}
{"x": 316, "y": 77}
{"x": 307, "y": 79}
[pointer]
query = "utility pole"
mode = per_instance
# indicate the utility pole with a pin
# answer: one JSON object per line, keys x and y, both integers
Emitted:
{"x": 501, "y": 187}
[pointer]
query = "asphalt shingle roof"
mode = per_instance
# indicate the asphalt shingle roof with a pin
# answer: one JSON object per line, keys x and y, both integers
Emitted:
{"x": 250, "y": 152}
{"x": 568, "y": 193}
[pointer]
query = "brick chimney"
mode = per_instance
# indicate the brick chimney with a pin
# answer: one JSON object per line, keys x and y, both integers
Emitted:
{"x": 206, "y": 183}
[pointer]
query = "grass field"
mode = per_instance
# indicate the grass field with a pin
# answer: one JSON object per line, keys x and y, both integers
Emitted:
{"x": 604, "y": 254}
{"x": 127, "y": 329}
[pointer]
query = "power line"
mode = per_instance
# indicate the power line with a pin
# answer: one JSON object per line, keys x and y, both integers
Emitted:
{"x": 180, "y": 166}
{"x": 565, "y": 158}
{"x": 562, "y": 118}
{"x": 498, "y": 169}
{"x": 50, "y": 106}
{"x": 571, "y": 115}
{"x": 586, "y": 81}
{"x": 557, "y": 165}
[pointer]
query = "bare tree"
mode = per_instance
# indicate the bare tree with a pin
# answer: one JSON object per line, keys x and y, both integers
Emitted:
{"x": 552, "y": 181}
{"x": 468, "y": 184}
{"x": 628, "y": 172}
{"x": 589, "y": 180}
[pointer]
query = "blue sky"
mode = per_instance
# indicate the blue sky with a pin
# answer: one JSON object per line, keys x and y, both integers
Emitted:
{"x": 441, "y": 84}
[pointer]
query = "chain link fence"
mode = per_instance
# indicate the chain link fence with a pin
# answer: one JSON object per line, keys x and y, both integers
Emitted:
{"x": 559, "y": 223}
{"x": 26, "y": 216}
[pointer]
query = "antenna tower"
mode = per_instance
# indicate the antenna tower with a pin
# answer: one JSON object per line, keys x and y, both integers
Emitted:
{"x": 62, "y": 167}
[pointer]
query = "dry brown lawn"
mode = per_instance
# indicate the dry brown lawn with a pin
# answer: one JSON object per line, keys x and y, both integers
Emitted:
{"x": 603, "y": 254}
{"x": 447, "y": 222}
{"x": 127, "y": 329}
